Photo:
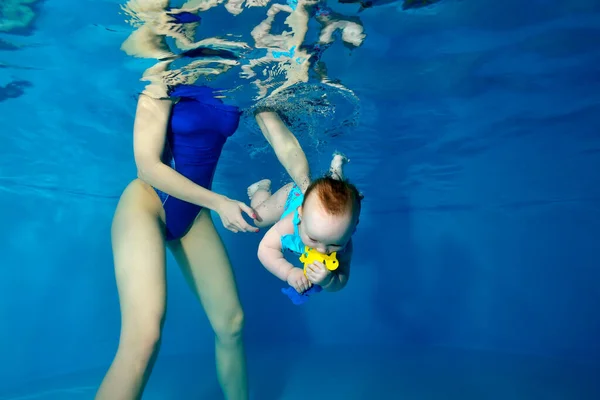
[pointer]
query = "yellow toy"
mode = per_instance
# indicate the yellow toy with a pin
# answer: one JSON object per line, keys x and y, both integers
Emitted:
{"x": 308, "y": 257}
{"x": 311, "y": 255}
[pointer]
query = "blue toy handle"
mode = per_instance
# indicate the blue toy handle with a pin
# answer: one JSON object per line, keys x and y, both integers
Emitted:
{"x": 300, "y": 298}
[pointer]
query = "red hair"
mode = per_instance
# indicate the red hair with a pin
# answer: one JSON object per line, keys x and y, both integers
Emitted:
{"x": 336, "y": 196}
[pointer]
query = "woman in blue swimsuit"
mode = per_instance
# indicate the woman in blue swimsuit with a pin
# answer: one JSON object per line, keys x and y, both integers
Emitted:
{"x": 177, "y": 144}
{"x": 178, "y": 138}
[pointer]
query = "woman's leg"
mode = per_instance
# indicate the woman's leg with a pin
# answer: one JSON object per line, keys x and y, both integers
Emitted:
{"x": 139, "y": 256}
{"x": 205, "y": 263}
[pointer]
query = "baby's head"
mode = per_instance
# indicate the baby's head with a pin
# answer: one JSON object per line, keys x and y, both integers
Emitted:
{"x": 329, "y": 214}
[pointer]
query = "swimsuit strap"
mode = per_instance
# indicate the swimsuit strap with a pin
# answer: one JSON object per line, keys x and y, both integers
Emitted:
{"x": 296, "y": 222}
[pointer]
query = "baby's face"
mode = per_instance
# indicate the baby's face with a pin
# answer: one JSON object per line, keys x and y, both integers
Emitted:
{"x": 322, "y": 231}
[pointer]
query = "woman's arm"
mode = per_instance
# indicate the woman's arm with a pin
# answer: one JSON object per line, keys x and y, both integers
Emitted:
{"x": 149, "y": 134}
{"x": 286, "y": 147}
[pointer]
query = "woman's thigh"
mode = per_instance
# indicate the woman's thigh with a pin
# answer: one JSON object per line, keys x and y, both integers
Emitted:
{"x": 205, "y": 263}
{"x": 138, "y": 242}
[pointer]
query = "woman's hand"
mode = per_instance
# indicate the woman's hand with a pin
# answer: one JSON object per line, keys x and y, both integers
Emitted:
{"x": 231, "y": 215}
{"x": 298, "y": 281}
{"x": 318, "y": 274}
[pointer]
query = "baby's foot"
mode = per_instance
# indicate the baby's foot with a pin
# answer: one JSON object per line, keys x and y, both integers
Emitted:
{"x": 339, "y": 159}
{"x": 337, "y": 163}
{"x": 264, "y": 184}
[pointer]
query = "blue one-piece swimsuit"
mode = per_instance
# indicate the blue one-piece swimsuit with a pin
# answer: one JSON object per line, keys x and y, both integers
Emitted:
{"x": 198, "y": 128}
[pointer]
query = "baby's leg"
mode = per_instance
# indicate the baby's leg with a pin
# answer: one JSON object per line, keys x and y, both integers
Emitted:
{"x": 268, "y": 207}
{"x": 258, "y": 192}
{"x": 337, "y": 165}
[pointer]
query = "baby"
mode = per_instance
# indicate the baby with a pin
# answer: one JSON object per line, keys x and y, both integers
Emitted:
{"x": 324, "y": 218}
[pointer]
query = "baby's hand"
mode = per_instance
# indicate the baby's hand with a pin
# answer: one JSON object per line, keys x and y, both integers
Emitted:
{"x": 317, "y": 273}
{"x": 298, "y": 281}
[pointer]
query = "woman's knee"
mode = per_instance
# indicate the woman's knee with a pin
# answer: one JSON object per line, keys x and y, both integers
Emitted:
{"x": 141, "y": 338}
{"x": 229, "y": 326}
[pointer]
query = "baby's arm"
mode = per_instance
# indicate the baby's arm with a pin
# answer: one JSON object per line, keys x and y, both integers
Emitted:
{"x": 339, "y": 278}
{"x": 270, "y": 255}
{"x": 270, "y": 252}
